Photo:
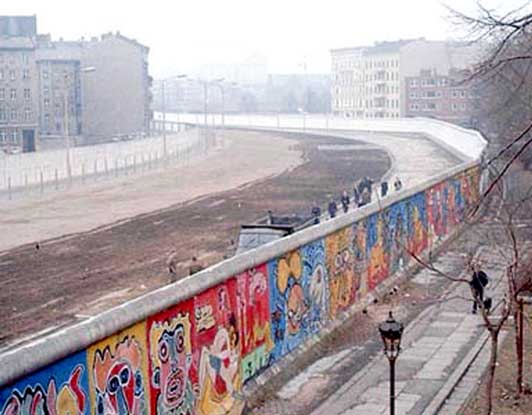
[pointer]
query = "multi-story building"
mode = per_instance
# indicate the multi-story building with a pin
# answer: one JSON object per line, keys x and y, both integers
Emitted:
{"x": 444, "y": 97}
{"x": 46, "y": 90}
{"x": 18, "y": 85}
{"x": 369, "y": 82}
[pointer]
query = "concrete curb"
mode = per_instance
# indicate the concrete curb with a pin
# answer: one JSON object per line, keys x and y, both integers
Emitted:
{"x": 453, "y": 380}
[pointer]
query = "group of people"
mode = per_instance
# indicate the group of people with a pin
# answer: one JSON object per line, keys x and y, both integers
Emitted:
{"x": 362, "y": 194}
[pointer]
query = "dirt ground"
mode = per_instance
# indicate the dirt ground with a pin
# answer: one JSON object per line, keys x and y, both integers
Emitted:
{"x": 504, "y": 397}
{"x": 73, "y": 277}
{"x": 239, "y": 158}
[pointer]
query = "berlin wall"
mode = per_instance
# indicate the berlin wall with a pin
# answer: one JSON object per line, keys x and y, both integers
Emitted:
{"x": 188, "y": 347}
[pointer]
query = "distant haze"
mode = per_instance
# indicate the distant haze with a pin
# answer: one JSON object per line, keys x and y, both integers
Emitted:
{"x": 183, "y": 35}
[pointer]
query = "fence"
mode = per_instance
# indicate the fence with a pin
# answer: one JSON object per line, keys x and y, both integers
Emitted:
{"x": 191, "y": 346}
{"x": 48, "y": 171}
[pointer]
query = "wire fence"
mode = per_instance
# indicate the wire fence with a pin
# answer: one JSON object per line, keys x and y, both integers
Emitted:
{"x": 38, "y": 173}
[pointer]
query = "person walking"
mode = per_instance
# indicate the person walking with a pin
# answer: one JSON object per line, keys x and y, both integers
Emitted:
{"x": 356, "y": 194}
{"x": 316, "y": 213}
{"x": 478, "y": 281}
{"x": 345, "y": 201}
{"x": 365, "y": 198}
{"x": 332, "y": 208}
{"x": 194, "y": 267}
{"x": 384, "y": 189}
{"x": 171, "y": 263}
{"x": 398, "y": 184}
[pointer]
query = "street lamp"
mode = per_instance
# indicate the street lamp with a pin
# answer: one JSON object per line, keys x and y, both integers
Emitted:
{"x": 391, "y": 332}
{"x": 163, "y": 81}
{"x": 66, "y": 120}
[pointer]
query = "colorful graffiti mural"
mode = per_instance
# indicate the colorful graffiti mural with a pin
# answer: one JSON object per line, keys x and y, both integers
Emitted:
{"x": 174, "y": 379}
{"x": 194, "y": 357}
{"x": 118, "y": 373}
{"x": 57, "y": 390}
{"x": 298, "y": 297}
{"x": 254, "y": 321}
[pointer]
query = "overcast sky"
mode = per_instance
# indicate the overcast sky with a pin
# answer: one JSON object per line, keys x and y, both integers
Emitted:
{"x": 185, "y": 34}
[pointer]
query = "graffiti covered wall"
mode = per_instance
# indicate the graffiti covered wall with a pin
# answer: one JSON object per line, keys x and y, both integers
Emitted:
{"x": 194, "y": 357}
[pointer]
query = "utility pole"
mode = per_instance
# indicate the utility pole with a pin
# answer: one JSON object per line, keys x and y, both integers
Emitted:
{"x": 164, "y": 116}
{"x": 66, "y": 132}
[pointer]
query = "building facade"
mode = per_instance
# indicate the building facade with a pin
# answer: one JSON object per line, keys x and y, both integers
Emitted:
{"x": 18, "y": 88}
{"x": 88, "y": 89}
{"x": 444, "y": 97}
{"x": 370, "y": 82}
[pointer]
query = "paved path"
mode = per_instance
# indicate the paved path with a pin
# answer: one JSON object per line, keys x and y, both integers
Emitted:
{"x": 434, "y": 346}
{"x": 410, "y": 156}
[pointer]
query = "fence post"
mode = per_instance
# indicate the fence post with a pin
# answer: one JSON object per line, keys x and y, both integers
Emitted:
{"x": 9, "y": 187}
{"x": 116, "y": 167}
{"x": 56, "y": 179}
{"x": 41, "y": 179}
{"x": 26, "y": 181}
{"x": 95, "y": 167}
{"x": 106, "y": 167}
{"x": 82, "y": 172}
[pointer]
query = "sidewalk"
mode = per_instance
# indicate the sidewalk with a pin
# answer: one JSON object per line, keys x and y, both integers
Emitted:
{"x": 436, "y": 348}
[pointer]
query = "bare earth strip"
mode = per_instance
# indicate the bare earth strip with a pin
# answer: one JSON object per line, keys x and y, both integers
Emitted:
{"x": 243, "y": 158}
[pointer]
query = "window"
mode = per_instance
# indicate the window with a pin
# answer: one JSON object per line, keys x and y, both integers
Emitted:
{"x": 25, "y": 74}
{"x": 14, "y": 136}
{"x": 12, "y": 75}
{"x": 414, "y": 106}
{"x": 462, "y": 106}
{"x": 430, "y": 106}
{"x": 25, "y": 58}
{"x": 455, "y": 94}
{"x": 438, "y": 94}
{"x": 13, "y": 114}
{"x": 13, "y": 94}
{"x": 27, "y": 94}
{"x": 2, "y": 75}
{"x": 462, "y": 94}
{"x": 2, "y": 136}
{"x": 27, "y": 114}
{"x": 3, "y": 114}
{"x": 431, "y": 94}
{"x": 2, "y": 94}
{"x": 45, "y": 73}
{"x": 454, "y": 107}
{"x": 413, "y": 82}
{"x": 46, "y": 102}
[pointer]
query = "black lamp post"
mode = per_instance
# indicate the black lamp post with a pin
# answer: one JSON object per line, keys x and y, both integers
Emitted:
{"x": 391, "y": 332}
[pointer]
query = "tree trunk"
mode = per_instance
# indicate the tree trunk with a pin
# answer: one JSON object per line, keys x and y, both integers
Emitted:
{"x": 518, "y": 325}
{"x": 492, "y": 367}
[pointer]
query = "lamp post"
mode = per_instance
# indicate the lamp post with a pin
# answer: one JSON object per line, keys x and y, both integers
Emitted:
{"x": 391, "y": 332}
{"x": 66, "y": 119}
{"x": 163, "y": 93}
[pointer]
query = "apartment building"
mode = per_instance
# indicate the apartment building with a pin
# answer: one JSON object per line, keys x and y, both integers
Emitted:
{"x": 444, "y": 97}
{"x": 369, "y": 81}
{"x": 18, "y": 86}
{"x": 89, "y": 89}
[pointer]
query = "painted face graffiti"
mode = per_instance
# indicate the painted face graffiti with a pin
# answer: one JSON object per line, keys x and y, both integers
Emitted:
{"x": 171, "y": 360}
{"x": 118, "y": 380}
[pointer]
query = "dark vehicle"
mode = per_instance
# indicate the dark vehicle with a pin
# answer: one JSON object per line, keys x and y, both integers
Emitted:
{"x": 268, "y": 229}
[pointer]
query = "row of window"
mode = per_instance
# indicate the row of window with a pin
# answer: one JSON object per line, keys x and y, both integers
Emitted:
{"x": 429, "y": 82}
{"x": 6, "y": 137}
{"x": 13, "y": 115}
{"x": 379, "y": 103}
{"x": 12, "y": 74}
{"x": 437, "y": 94}
{"x": 11, "y": 58}
{"x": 431, "y": 106}
{"x": 13, "y": 94}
